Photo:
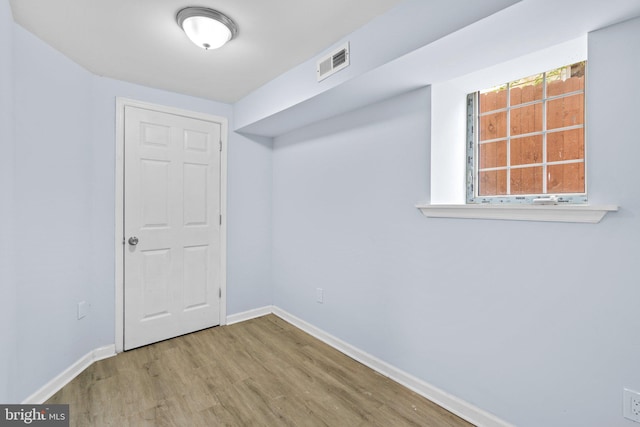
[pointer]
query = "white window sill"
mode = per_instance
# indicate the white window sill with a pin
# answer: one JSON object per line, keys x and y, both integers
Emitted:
{"x": 552, "y": 213}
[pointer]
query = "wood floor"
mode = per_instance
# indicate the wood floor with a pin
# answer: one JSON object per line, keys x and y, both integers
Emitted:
{"x": 262, "y": 372}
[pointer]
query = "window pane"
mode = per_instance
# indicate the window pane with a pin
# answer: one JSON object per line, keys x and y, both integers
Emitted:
{"x": 526, "y": 180}
{"x": 493, "y": 126}
{"x": 493, "y": 99}
{"x": 566, "y": 111}
{"x": 492, "y": 183}
{"x": 526, "y": 119}
{"x": 565, "y": 145}
{"x": 566, "y": 79}
{"x": 493, "y": 154}
{"x": 568, "y": 178}
{"x": 526, "y": 150}
{"x": 530, "y": 137}
{"x": 526, "y": 90}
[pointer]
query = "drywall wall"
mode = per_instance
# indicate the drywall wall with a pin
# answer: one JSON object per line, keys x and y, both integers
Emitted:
{"x": 249, "y": 281}
{"x": 7, "y": 279}
{"x": 52, "y": 213}
{"x": 534, "y": 322}
{"x": 64, "y": 166}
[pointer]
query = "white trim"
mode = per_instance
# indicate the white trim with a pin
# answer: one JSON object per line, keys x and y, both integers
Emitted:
{"x": 119, "y": 205}
{"x": 548, "y": 213}
{"x": 449, "y": 402}
{"x": 64, "y": 378}
{"x": 224, "y": 136}
{"x": 119, "y": 226}
{"x": 249, "y": 314}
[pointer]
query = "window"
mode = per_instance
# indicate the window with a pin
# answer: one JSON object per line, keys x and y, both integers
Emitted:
{"x": 525, "y": 139}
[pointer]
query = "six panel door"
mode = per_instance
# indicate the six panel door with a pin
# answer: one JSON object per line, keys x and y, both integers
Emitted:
{"x": 171, "y": 223}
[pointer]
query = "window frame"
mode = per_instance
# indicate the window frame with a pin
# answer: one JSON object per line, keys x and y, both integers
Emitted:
{"x": 472, "y": 147}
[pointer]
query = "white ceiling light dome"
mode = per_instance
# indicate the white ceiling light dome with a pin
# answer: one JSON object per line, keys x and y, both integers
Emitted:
{"x": 206, "y": 28}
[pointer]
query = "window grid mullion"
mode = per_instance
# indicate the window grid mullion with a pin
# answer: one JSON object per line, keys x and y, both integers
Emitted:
{"x": 531, "y": 165}
{"x": 526, "y": 135}
{"x": 528, "y": 104}
{"x": 544, "y": 133}
{"x": 508, "y": 139}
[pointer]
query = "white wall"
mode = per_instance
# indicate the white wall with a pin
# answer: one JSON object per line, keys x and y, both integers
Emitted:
{"x": 64, "y": 119}
{"x": 534, "y": 322}
{"x": 7, "y": 288}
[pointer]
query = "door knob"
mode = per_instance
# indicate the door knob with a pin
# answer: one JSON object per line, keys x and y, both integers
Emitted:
{"x": 133, "y": 241}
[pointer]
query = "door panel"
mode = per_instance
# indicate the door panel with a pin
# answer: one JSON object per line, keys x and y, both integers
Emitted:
{"x": 155, "y": 283}
{"x": 195, "y": 195}
{"x": 195, "y": 276}
{"x": 172, "y": 204}
{"x": 154, "y": 182}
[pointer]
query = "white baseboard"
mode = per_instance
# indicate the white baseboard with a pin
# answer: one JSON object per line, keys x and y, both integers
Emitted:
{"x": 53, "y": 386}
{"x": 69, "y": 374}
{"x": 463, "y": 409}
{"x": 453, "y": 404}
{"x": 250, "y": 314}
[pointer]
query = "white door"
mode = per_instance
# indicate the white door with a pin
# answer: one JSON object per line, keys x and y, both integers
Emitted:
{"x": 172, "y": 253}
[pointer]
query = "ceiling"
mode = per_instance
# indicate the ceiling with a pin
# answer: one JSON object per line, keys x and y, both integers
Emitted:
{"x": 139, "y": 41}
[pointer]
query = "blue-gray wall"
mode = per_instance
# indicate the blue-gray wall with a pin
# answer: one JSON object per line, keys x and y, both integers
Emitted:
{"x": 535, "y": 322}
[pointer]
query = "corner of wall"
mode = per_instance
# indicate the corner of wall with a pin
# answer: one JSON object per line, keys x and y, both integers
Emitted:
{"x": 249, "y": 224}
{"x": 8, "y": 317}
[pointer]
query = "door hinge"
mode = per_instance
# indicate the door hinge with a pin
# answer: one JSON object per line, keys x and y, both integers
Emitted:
{"x": 220, "y": 217}
{"x": 220, "y": 142}
{"x": 219, "y": 292}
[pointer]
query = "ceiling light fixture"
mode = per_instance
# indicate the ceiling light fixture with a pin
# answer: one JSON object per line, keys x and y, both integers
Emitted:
{"x": 206, "y": 27}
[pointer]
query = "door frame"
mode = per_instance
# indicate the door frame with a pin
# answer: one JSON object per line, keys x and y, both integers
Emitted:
{"x": 121, "y": 103}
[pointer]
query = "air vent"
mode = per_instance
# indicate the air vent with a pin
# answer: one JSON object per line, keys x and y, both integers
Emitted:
{"x": 333, "y": 62}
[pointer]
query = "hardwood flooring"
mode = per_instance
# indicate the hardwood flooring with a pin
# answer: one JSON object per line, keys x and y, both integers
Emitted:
{"x": 262, "y": 372}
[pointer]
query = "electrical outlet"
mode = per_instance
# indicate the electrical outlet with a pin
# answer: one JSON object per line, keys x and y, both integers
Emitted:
{"x": 83, "y": 309}
{"x": 319, "y": 295}
{"x": 631, "y": 406}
